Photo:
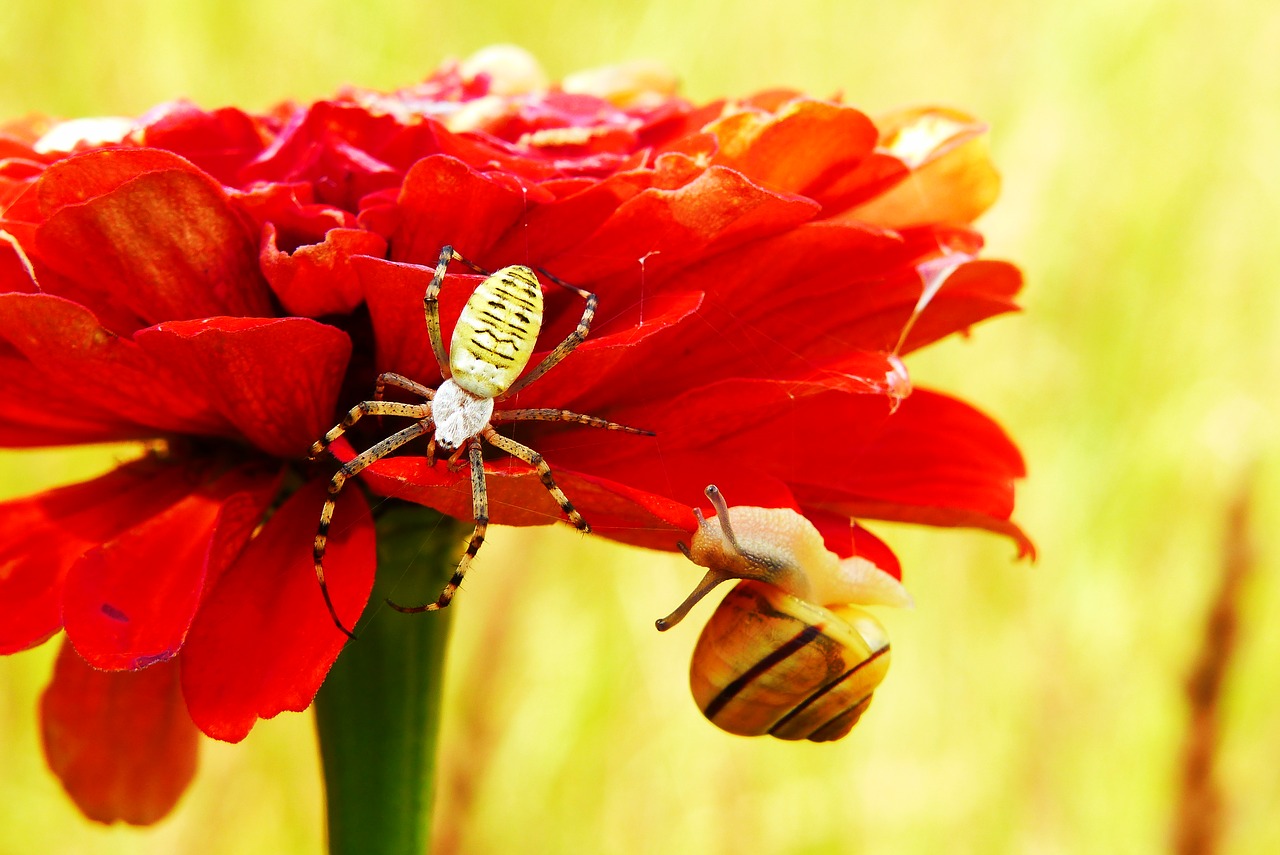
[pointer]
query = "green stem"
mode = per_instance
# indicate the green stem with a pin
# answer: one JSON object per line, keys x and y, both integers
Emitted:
{"x": 378, "y": 713}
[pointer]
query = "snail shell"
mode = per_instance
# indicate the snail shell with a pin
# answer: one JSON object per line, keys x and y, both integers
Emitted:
{"x": 769, "y": 662}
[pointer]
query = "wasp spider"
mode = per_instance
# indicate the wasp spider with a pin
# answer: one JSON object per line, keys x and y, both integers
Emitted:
{"x": 492, "y": 343}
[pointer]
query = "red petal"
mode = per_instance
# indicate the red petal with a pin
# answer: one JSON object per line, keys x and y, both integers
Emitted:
{"x": 130, "y": 602}
{"x": 84, "y": 368}
{"x": 590, "y": 377}
{"x": 776, "y": 307}
{"x": 276, "y": 381}
{"x": 59, "y": 420}
{"x": 80, "y": 178}
{"x": 874, "y": 175}
{"x": 444, "y": 201}
{"x": 518, "y": 497}
{"x": 317, "y": 279}
{"x": 220, "y": 142}
{"x": 740, "y": 434}
{"x": 561, "y": 226}
{"x": 973, "y": 292}
{"x": 845, "y": 537}
{"x": 937, "y": 462}
{"x": 165, "y": 242}
{"x": 272, "y": 381}
{"x": 718, "y": 209}
{"x": 263, "y": 640}
{"x": 42, "y": 536}
{"x": 121, "y": 743}
{"x": 393, "y": 292}
{"x": 334, "y": 147}
{"x": 762, "y": 424}
{"x": 809, "y": 296}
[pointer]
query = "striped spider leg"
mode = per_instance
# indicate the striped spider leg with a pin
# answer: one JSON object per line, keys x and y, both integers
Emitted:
{"x": 492, "y": 344}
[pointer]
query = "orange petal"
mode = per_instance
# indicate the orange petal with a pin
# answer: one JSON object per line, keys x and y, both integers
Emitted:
{"x": 952, "y": 178}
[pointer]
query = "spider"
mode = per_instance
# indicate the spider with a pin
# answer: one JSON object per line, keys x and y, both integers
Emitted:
{"x": 492, "y": 343}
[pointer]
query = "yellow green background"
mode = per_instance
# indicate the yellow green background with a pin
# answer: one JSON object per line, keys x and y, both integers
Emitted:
{"x": 1030, "y": 708}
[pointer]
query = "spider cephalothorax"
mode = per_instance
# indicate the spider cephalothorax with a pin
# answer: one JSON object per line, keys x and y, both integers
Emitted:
{"x": 492, "y": 343}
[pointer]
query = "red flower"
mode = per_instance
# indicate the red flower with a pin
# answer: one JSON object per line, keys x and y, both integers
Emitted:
{"x": 224, "y": 284}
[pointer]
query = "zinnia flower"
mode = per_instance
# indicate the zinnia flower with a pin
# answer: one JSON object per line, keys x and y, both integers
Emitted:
{"x": 223, "y": 285}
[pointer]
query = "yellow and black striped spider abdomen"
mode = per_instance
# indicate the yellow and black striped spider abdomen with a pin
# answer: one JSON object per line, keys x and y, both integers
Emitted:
{"x": 497, "y": 332}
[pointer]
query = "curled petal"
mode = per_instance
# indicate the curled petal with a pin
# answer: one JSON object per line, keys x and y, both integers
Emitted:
{"x": 317, "y": 279}
{"x": 970, "y": 291}
{"x": 560, "y": 226}
{"x": 16, "y": 270}
{"x": 951, "y": 179}
{"x": 263, "y": 640}
{"x": 121, "y": 742}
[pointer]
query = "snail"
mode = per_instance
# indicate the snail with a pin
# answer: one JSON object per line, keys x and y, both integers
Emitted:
{"x": 786, "y": 652}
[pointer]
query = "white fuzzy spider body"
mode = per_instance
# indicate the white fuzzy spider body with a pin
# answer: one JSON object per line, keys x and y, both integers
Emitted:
{"x": 459, "y": 414}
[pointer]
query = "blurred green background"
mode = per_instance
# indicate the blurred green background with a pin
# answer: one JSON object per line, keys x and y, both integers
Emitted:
{"x": 1030, "y": 708}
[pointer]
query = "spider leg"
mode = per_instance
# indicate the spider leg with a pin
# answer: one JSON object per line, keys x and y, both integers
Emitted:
{"x": 431, "y": 305}
{"x": 534, "y": 459}
{"x": 553, "y": 415}
{"x": 480, "y": 510}
{"x": 455, "y": 460}
{"x": 339, "y": 480}
{"x": 564, "y": 348}
{"x": 365, "y": 408}
{"x": 399, "y": 381}
{"x": 431, "y": 308}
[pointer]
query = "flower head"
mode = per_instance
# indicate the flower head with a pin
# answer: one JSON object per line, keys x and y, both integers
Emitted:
{"x": 222, "y": 284}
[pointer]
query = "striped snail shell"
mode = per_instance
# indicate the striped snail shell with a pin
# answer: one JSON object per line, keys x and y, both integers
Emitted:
{"x": 768, "y": 662}
{"x": 787, "y": 652}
